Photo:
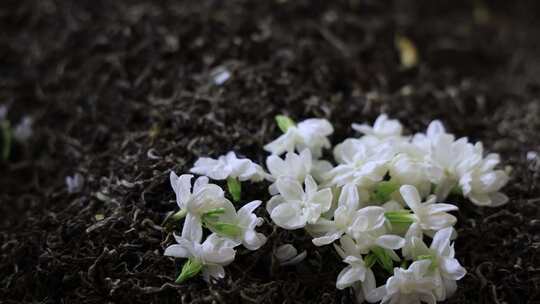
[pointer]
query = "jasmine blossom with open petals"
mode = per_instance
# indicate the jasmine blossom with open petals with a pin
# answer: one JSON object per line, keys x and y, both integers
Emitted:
{"x": 327, "y": 231}
{"x": 410, "y": 286}
{"x": 208, "y": 257}
{"x": 296, "y": 166}
{"x": 379, "y": 238}
{"x": 382, "y": 128}
{"x": 195, "y": 202}
{"x": 429, "y": 215}
{"x": 228, "y": 166}
{"x": 356, "y": 271}
{"x": 482, "y": 184}
{"x": 359, "y": 164}
{"x": 310, "y": 133}
{"x": 246, "y": 222}
{"x": 408, "y": 170}
{"x": 445, "y": 268}
{"x": 295, "y": 207}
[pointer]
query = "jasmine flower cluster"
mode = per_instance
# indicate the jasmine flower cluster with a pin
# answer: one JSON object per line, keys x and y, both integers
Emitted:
{"x": 203, "y": 204}
{"x": 381, "y": 203}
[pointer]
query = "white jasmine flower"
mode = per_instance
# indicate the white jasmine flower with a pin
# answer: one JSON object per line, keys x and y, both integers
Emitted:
{"x": 410, "y": 286}
{"x": 75, "y": 184}
{"x": 294, "y": 207}
{"x": 382, "y": 128}
{"x": 379, "y": 238}
{"x": 414, "y": 232}
{"x": 482, "y": 184}
{"x": 327, "y": 231}
{"x": 452, "y": 163}
{"x": 449, "y": 160}
{"x": 23, "y": 130}
{"x": 423, "y": 141}
{"x": 367, "y": 219}
{"x": 319, "y": 169}
{"x": 287, "y": 254}
{"x": 429, "y": 215}
{"x": 210, "y": 256}
{"x": 245, "y": 222}
{"x": 295, "y": 166}
{"x": 444, "y": 266}
{"x": 228, "y": 165}
{"x": 369, "y": 231}
{"x": 310, "y": 133}
{"x": 196, "y": 202}
{"x": 359, "y": 164}
{"x": 356, "y": 271}
{"x": 405, "y": 169}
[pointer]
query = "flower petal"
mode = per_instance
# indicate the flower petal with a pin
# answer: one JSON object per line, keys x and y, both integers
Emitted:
{"x": 441, "y": 240}
{"x": 410, "y": 196}
{"x": 288, "y": 216}
{"x": 389, "y": 241}
{"x": 349, "y": 197}
{"x": 200, "y": 182}
{"x": 290, "y": 189}
{"x": 248, "y": 208}
{"x": 349, "y": 275}
{"x": 177, "y": 251}
{"x": 452, "y": 269}
{"x": 274, "y": 202}
{"x": 327, "y": 239}
{"x": 182, "y": 187}
{"x": 283, "y": 143}
{"x": 310, "y": 185}
{"x": 213, "y": 271}
{"x": 438, "y": 221}
{"x": 192, "y": 229}
{"x": 254, "y": 240}
{"x": 323, "y": 199}
{"x": 276, "y": 166}
{"x": 435, "y": 127}
{"x": 441, "y": 207}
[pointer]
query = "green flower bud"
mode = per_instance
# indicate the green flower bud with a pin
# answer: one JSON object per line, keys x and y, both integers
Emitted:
{"x": 432, "y": 258}
{"x": 370, "y": 260}
{"x": 235, "y": 188}
{"x": 225, "y": 229}
{"x": 399, "y": 217}
{"x": 383, "y": 258}
{"x": 190, "y": 269}
{"x": 384, "y": 190}
{"x": 284, "y": 122}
